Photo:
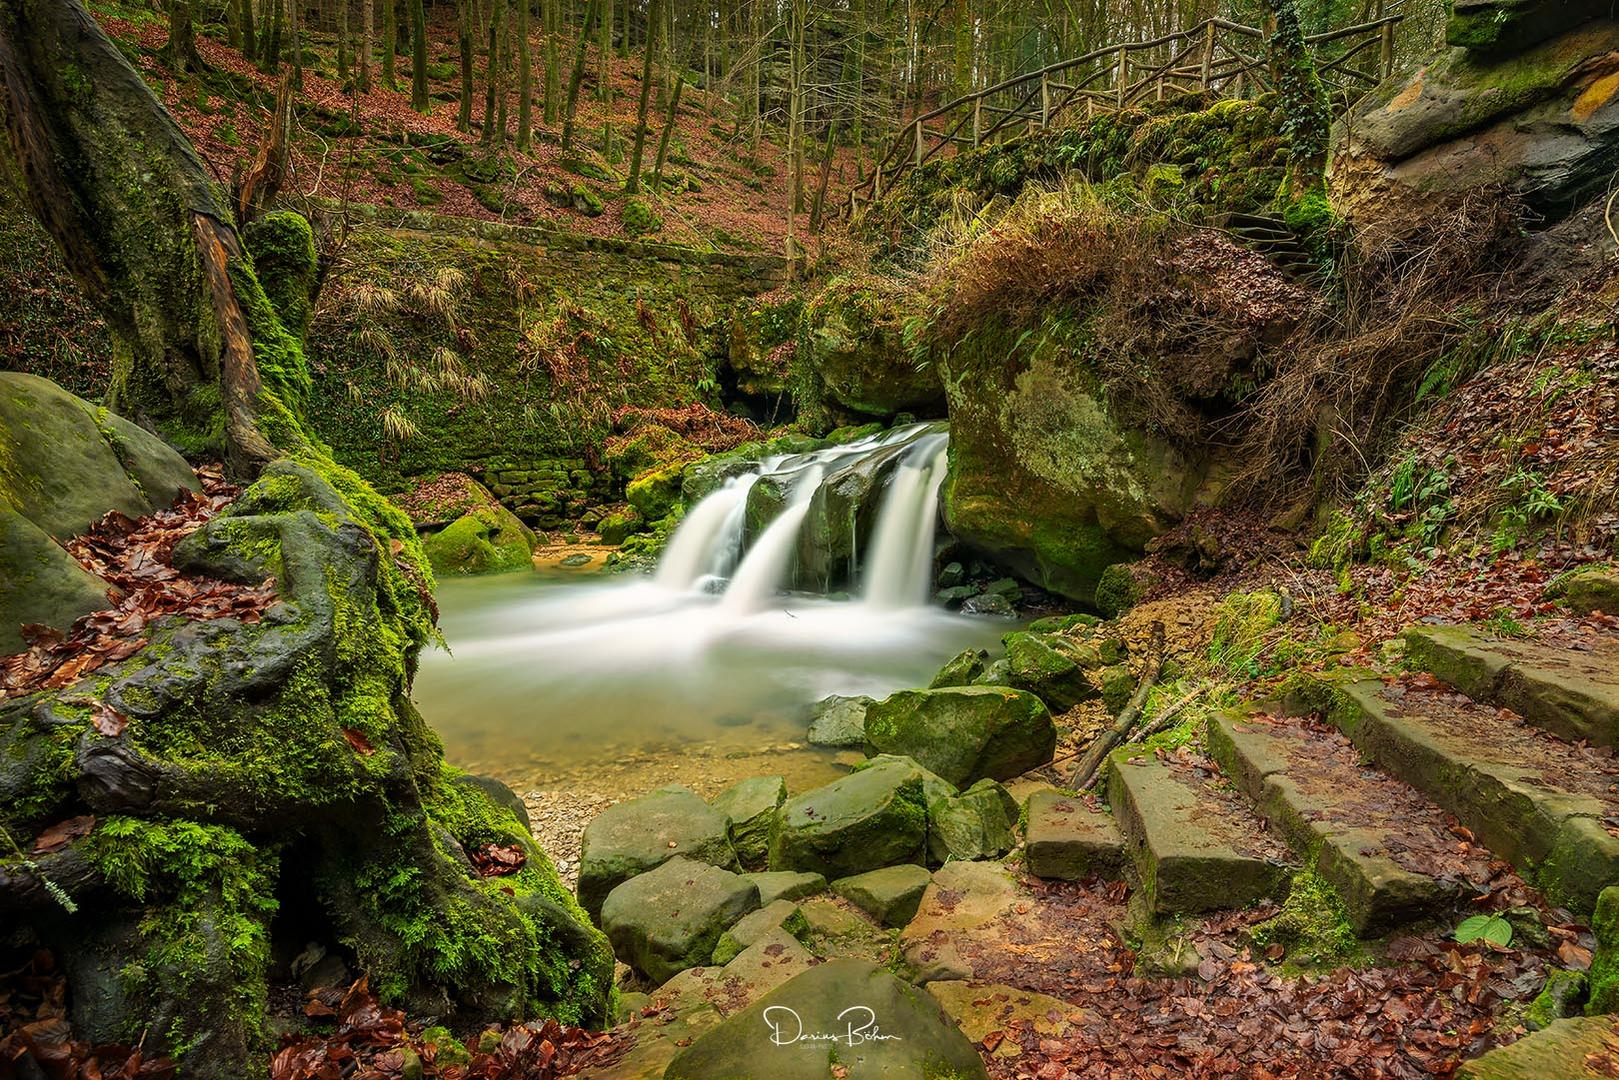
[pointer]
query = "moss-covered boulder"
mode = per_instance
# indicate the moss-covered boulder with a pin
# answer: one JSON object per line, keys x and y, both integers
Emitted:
{"x": 750, "y": 806}
{"x": 65, "y": 463}
{"x": 858, "y": 355}
{"x": 1054, "y": 668}
{"x": 872, "y": 818}
{"x": 1604, "y": 973}
{"x": 40, "y": 583}
{"x": 279, "y": 764}
{"x": 1042, "y": 479}
{"x": 1507, "y": 26}
{"x": 963, "y": 669}
{"x": 655, "y": 492}
{"x": 839, "y": 721}
{"x": 767, "y": 1038}
{"x": 1588, "y": 589}
{"x": 890, "y": 895}
{"x": 1536, "y": 120}
{"x": 786, "y": 885}
{"x": 487, "y": 540}
{"x": 980, "y": 823}
{"x": 641, "y": 834}
{"x": 964, "y": 733}
{"x": 669, "y": 919}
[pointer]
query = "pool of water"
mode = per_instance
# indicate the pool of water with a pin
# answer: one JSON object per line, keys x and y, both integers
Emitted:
{"x": 548, "y": 678}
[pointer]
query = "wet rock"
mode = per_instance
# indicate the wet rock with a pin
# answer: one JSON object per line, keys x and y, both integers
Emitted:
{"x": 922, "y": 1042}
{"x": 870, "y": 819}
{"x": 1067, "y": 840}
{"x": 839, "y": 721}
{"x": 776, "y": 915}
{"x": 1591, "y": 588}
{"x": 889, "y": 895}
{"x": 486, "y": 540}
{"x": 641, "y": 834}
{"x": 965, "y": 733}
{"x": 1559, "y": 1051}
{"x": 1510, "y": 25}
{"x": 980, "y": 1009}
{"x": 499, "y": 794}
{"x": 1052, "y": 667}
{"x": 1560, "y": 998}
{"x": 979, "y": 823}
{"x": 963, "y": 669}
{"x": 39, "y": 581}
{"x": 670, "y": 919}
{"x": 988, "y": 604}
{"x": 786, "y": 885}
{"x": 858, "y": 353}
{"x": 751, "y": 806}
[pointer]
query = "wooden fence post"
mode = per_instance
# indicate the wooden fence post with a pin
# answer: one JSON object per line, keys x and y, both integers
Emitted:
{"x": 1045, "y": 100}
{"x": 1388, "y": 49}
{"x": 978, "y": 119}
{"x": 1208, "y": 53}
{"x": 1124, "y": 73}
{"x": 919, "y": 142}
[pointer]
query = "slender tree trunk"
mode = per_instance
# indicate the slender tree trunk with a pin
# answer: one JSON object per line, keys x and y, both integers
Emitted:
{"x": 368, "y": 42}
{"x": 604, "y": 85}
{"x": 250, "y": 45}
{"x": 181, "y": 48}
{"x": 503, "y": 97}
{"x": 270, "y": 55}
{"x": 668, "y": 132}
{"x": 295, "y": 21}
{"x": 464, "y": 24}
{"x": 146, "y": 232}
{"x": 654, "y": 18}
{"x": 493, "y": 89}
{"x": 418, "y": 58}
{"x": 390, "y": 44}
{"x": 577, "y": 77}
{"x": 343, "y": 40}
{"x": 525, "y": 79}
{"x": 553, "y": 61}
{"x": 817, "y": 207}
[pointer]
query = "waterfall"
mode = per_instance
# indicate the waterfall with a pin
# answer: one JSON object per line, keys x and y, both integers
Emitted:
{"x": 709, "y": 539}
{"x": 902, "y": 553}
{"x": 875, "y": 519}
{"x": 766, "y": 562}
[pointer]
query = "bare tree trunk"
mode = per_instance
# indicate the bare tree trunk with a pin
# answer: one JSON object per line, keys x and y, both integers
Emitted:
{"x": 181, "y": 49}
{"x": 553, "y": 61}
{"x": 149, "y": 237}
{"x": 525, "y": 79}
{"x": 668, "y": 132}
{"x": 250, "y": 45}
{"x": 418, "y": 58}
{"x": 464, "y": 24}
{"x": 577, "y": 78}
{"x": 654, "y": 17}
{"x": 390, "y": 44}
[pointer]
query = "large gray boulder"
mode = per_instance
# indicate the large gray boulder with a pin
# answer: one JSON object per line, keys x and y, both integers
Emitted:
{"x": 669, "y": 919}
{"x": 750, "y": 807}
{"x": 642, "y": 834}
{"x": 1510, "y": 25}
{"x": 872, "y": 818}
{"x": 890, "y": 895}
{"x": 964, "y": 733}
{"x": 783, "y": 1035}
{"x": 980, "y": 823}
{"x": 839, "y": 721}
{"x": 65, "y": 464}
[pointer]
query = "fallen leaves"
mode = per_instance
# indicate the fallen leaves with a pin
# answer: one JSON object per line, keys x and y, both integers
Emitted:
{"x": 374, "y": 1041}
{"x": 58, "y": 836}
{"x": 34, "y": 1029}
{"x": 497, "y": 860}
{"x": 136, "y": 558}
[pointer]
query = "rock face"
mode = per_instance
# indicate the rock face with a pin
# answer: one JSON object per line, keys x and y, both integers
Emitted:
{"x": 859, "y": 354}
{"x": 1044, "y": 482}
{"x": 750, "y": 806}
{"x": 776, "y": 1035}
{"x": 870, "y": 819}
{"x": 641, "y": 834}
{"x": 669, "y": 919}
{"x": 485, "y": 540}
{"x": 964, "y": 733}
{"x": 64, "y": 464}
{"x": 1511, "y": 111}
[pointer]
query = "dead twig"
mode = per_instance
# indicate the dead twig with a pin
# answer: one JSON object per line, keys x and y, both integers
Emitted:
{"x": 1091, "y": 764}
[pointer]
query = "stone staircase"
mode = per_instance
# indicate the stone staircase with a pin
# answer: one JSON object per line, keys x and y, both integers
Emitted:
{"x": 1272, "y": 238}
{"x": 1354, "y": 774}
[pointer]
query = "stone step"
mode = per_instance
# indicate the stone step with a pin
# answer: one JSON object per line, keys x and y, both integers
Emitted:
{"x": 1376, "y": 840}
{"x": 1585, "y": 1046}
{"x": 1067, "y": 839}
{"x": 1542, "y": 804}
{"x": 1196, "y": 844}
{"x": 1571, "y": 690}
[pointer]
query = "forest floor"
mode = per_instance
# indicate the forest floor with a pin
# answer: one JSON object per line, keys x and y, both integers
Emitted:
{"x": 373, "y": 148}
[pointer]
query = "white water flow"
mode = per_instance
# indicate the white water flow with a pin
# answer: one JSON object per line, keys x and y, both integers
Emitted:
{"x": 767, "y": 561}
{"x": 566, "y": 674}
{"x": 707, "y": 540}
{"x": 901, "y": 565}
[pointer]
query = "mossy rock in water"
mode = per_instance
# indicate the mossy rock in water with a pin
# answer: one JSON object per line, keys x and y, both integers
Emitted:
{"x": 656, "y": 492}
{"x": 963, "y": 669}
{"x": 1054, "y": 668}
{"x": 838, "y": 721}
{"x": 750, "y": 806}
{"x": 920, "y": 1042}
{"x": 281, "y": 762}
{"x": 620, "y": 525}
{"x": 964, "y": 733}
{"x": 487, "y": 540}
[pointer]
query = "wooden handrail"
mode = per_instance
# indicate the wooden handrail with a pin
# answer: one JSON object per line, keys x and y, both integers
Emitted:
{"x": 1228, "y": 74}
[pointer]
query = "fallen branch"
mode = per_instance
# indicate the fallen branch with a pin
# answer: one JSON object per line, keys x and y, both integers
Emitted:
{"x": 1166, "y": 719}
{"x": 1091, "y": 764}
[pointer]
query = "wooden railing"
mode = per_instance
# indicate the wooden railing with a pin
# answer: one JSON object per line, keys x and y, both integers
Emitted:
{"x": 1216, "y": 55}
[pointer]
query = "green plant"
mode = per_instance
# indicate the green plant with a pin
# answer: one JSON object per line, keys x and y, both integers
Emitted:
{"x": 1490, "y": 928}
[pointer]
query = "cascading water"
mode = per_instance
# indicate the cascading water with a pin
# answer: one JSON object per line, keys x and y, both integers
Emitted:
{"x": 591, "y": 671}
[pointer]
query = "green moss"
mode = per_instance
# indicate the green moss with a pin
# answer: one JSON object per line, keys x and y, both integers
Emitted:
{"x": 1313, "y": 926}
{"x": 639, "y": 219}
{"x": 1604, "y": 973}
{"x": 283, "y": 249}
{"x": 1243, "y": 622}
{"x": 482, "y": 541}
